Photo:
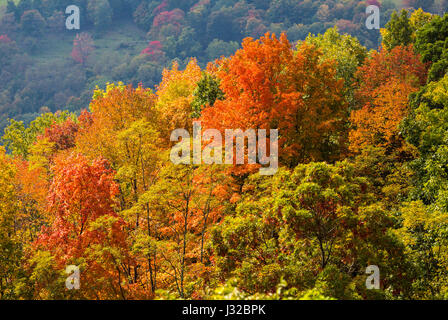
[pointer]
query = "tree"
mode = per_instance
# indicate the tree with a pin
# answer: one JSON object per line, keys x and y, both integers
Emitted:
{"x": 430, "y": 43}
{"x": 426, "y": 129}
{"x": 387, "y": 79}
{"x": 267, "y": 85}
{"x": 31, "y": 189}
{"x": 183, "y": 203}
{"x": 218, "y": 48}
{"x": 400, "y": 63}
{"x": 314, "y": 226}
{"x": 62, "y": 134}
{"x": 206, "y": 94}
{"x": 398, "y": 32}
{"x": 56, "y": 21}
{"x": 418, "y": 19}
{"x": 154, "y": 50}
{"x": 86, "y": 230}
{"x": 12, "y": 8}
{"x": 23, "y": 6}
{"x": 32, "y": 22}
{"x": 112, "y": 111}
{"x": 175, "y": 96}
{"x": 423, "y": 231}
{"x": 376, "y": 123}
{"x": 100, "y": 13}
{"x": 167, "y": 23}
{"x": 11, "y": 250}
{"x": 389, "y": 174}
{"x": 346, "y": 51}
{"x": 82, "y": 47}
{"x": 226, "y": 23}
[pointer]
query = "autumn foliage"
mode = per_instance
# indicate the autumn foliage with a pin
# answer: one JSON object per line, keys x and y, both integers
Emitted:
{"x": 82, "y": 198}
{"x": 267, "y": 84}
{"x": 98, "y": 189}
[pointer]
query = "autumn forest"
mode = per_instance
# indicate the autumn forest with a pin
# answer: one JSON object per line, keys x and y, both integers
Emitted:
{"x": 362, "y": 177}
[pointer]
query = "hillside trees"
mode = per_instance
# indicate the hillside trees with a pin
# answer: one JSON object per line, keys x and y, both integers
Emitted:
{"x": 268, "y": 85}
{"x": 82, "y": 47}
{"x": 430, "y": 43}
{"x": 183, "y": 203}
{"x": 86, "y": 229}
{"x": 11, "y": 250}
{"x": 201, "y": 29}
{"x": 387, "y": 80}
{"x": 317, "y": 219}
{"x": 98, "y": 190}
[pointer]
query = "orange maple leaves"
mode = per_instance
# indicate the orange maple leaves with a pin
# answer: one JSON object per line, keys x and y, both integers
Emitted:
{"x": 268, "y": 85}
{"x": 387, "y": 80}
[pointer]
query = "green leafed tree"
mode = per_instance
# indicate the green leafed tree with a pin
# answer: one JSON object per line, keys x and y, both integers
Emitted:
{"x": 398, "y": 30}
{"x": 318, "y": 219}
{"x": 206, "y": 93}
{"x": 432, "y": 44}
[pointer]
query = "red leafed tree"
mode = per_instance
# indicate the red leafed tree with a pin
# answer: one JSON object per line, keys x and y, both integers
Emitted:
{"x": 86, "y": 228}
{"x": 154, "y": 50}
{"x": 63, "y": 134}
{"x": 82, "y": 47}
{"x": 401, "y": 63}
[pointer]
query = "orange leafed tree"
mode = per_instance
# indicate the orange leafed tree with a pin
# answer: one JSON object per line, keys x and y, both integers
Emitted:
{"x": 86, "y": 230}
{"x": 377, "y": 122}
{"x": 175, "y": 95}
{"x": 387, "y": 80}
{"x": 268, "y": 85}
